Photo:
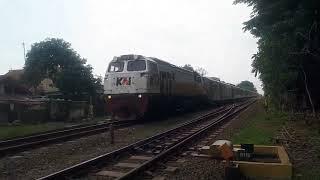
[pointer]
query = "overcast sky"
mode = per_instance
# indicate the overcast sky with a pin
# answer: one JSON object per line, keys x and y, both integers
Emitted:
{"x": 203, "y": 33}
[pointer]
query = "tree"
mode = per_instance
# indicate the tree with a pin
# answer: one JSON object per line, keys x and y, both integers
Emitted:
{"x": 188, "y": 67}
{"x": 288, "y": 56}
{"x": 247, "y": 85}
{"x": 201, "y": 71}
{"x": 55, "y": 59}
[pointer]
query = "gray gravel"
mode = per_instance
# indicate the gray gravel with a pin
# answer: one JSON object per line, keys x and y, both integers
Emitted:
{"x": 46, "y": 160}
{"x": 39, "y": 162}
{"x": 205, "y": 168}
{"x": 199, "y": 168}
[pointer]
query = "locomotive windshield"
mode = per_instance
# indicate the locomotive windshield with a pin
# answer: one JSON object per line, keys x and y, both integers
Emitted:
{"x": 137, "y": 65}
{"x": 116, "y": 67}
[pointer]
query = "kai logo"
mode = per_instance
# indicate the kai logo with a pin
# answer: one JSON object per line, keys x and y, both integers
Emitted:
{"x": 123, "y": 81}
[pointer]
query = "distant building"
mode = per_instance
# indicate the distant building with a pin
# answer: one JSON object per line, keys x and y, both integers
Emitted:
{"x": 20, "y": 102}
{"x": 46, "y": 86}
{"x": 14, "y": 74}
{"x": 11, "y": 84}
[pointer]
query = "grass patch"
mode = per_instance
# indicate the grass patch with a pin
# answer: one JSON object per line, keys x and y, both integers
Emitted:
{"x": 7, "y": 132}
{"x": 261, "y": 127}
{"x": 13, "y": 131}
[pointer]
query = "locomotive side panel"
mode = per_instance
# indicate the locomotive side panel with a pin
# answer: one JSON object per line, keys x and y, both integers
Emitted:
{"x": 166, "y": 80}
{"x": 223, "y": 91}
{"x": 184, "y": 83}
{"x": 153, "y": 78}
{"x": 216, "y": 90}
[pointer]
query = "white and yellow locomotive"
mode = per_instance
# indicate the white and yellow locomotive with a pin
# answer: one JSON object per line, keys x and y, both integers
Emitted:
{"x": 135, "y": 85}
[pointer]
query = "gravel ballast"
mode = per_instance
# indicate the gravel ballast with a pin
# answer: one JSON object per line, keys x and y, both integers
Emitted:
{"x": 42, "y": 161}
{"x": 203, "y": 167}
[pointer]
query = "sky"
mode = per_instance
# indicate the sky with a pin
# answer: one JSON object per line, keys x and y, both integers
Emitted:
{"x": 203, "y": 33}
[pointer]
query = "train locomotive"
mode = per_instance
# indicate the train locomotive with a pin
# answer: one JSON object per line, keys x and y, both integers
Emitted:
{"x": 135, "y": 85}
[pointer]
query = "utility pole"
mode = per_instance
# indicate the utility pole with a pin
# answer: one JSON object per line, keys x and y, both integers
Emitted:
{"x": 24, "y": 51}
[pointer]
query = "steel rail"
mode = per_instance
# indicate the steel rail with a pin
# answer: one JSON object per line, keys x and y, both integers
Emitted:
{"x": 45, "y": 132}
{"x": 232, "y": 112}
{"x": 29, "y": 142}
{"x": 81, "y": 168}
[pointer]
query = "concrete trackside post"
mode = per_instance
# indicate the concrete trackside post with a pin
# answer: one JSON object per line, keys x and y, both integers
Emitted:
{"x": 90, "y": 109}
{"x": 111, "y": 130}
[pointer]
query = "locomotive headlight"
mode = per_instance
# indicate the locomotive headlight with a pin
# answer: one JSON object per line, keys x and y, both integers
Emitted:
{"x": 109, "y": 97}
{"x": 139, "y": 96}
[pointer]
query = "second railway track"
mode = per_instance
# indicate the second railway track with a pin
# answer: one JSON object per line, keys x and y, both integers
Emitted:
{"x": 12, "y": 146}
{"x": 129, "y": 161}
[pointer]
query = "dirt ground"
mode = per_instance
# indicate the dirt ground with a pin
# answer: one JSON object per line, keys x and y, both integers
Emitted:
{"x": 302, "y": 143}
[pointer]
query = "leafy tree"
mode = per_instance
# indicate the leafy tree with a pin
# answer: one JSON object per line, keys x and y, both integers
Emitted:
{"x": 55, "y": 59}
{"x": 201, "y": 71}
{"x": 188, "y": 67}
{"x": 288, "y": 56}
{"x": 247, "y": 85}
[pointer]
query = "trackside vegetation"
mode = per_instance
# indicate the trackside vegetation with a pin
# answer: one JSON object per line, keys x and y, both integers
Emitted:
{"x": 288, "y": 56}
{"x": 56, "y": 59}
{"x": 7, "y": 132}
{"x": 301, "y": 141}
{"x": 261, "y": 128}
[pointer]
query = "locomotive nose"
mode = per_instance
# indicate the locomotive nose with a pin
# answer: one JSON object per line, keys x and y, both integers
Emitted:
{"x": 123, "y": 81}
{"x": 120, "y": 83}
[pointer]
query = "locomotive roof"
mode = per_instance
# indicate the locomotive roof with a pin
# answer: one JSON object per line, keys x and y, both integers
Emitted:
{"x": 159, "y": 61}
{"x": 140, "y": 57}
{"x": 129, "y": 57}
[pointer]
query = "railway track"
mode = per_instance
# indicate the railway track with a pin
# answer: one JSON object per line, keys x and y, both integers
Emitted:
{"x": 131, "y": 160}
{"x": 12, "y": 146}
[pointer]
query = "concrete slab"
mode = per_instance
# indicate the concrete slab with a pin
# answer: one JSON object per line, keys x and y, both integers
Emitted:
{"x": 159, "y": 178}
{"x": 110, "y": 173}
{"x": 15, "y": 157}
{"x": 128, "y": 165}
{"x": 141, "y": 157}
{"x": 185, "y": 134}
{"x": 181, "y": 161}
{"x": 159, "y": 146}
{"x": 171, "y": 169}
{"x": 282, "y": 170}
{"x": 200, "y": 155}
